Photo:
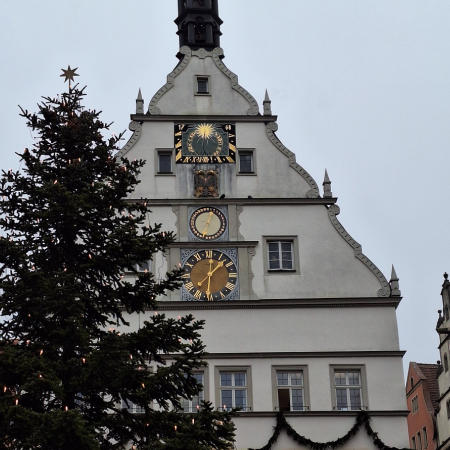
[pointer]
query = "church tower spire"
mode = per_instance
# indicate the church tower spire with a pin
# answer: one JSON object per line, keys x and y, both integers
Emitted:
{"x": 199, "y": 24}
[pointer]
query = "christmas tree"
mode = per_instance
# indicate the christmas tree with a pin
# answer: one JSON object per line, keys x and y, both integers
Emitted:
{"x": 70, "y": 247}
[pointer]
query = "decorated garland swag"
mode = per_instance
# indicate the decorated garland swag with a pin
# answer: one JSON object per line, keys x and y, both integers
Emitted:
{"x": 363, "y": 418}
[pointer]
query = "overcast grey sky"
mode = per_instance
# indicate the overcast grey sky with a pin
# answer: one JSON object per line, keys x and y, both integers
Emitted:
{"x": 361, "y": 88}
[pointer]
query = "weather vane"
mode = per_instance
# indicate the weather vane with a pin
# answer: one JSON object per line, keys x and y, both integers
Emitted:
{"x": 69, "y": 74}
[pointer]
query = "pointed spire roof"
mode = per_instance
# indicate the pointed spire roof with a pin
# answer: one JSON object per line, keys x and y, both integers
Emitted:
{"x": 139, "y": 103}
{"x": 327, "y": 186}
{"x": 393, "y": 274}
{"x": 267, "y": 103}
{"x": 395, "y": 288}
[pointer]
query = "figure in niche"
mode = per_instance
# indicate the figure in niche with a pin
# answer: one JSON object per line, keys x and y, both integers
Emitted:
{"x": 199, "y": 3}
{"x": 206, "y": 183}
{"x": 199, "y": 29}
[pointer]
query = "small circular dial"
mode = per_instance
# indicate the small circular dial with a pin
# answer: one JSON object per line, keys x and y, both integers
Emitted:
{"x": 208, "y": 223}
{"x": 210, "y": 275}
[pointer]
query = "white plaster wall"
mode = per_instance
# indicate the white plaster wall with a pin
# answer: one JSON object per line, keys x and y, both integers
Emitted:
{"x": 274, "y": 179}
{"x": 328, "y": 266}
{"x": 255, "y": 432}
{"x": 223, "y": 99}
{"x": 296, "y": 330}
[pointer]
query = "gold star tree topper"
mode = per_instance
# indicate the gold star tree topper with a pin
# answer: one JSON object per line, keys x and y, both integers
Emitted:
{"x": 69, "y": 74}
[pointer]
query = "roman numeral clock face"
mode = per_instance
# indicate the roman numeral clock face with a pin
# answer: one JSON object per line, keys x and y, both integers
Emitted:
{"x": 205, "y": 143}
{"x": 210, "y": 275}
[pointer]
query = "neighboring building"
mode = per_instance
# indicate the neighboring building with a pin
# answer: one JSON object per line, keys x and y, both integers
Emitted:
{"x": 297, "y": 317}
{"x": 443, "y": 329}
{"x": 422, "y": 395}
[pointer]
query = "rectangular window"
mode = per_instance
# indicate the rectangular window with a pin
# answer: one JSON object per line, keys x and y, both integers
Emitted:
{"x": 280, "y": 255}
{"x": 246, "y": 162}
{"x": 348, "y": 390}
{"x": 132, "y": 408}
{"x": 415, "y": 404}
{"x": 194, "y": 405}
{"x": 144, "y": 266}
{"x": 233, "y": 390}
{"x": 419, "y": 441}
{"x": 413, "y": 443}
{"x": 202, "y": 85}
{"x": 291, "y": 396}
{"x": 448, "y": 409}
{"x": 165, "y": 162}
{"x": 425, "y": 437}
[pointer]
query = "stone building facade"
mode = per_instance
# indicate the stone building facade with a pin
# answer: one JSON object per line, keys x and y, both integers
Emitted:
{"x": 298, "y": 318}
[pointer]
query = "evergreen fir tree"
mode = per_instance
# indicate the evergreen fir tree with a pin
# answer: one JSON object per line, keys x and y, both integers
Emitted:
{"x": 68, "y": 237}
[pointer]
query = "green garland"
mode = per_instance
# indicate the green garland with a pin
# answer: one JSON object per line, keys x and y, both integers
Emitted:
{"x": 362, "y": 419}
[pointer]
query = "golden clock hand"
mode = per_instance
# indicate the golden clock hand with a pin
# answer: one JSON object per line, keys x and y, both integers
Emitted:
{"x": 207, "y": 224}
{"x": 207, "y": 276}
{"x": 217, "y": 267}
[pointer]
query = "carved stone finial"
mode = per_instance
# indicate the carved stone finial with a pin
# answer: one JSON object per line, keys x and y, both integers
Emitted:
{"x": 327, "y": 186}
{"x": 446, "y": 276}
{"x": 139, "y": 103}
{"x": 267, "y": 103}
{"x": 395, "y": 288}
{"x": 440, "y": 319}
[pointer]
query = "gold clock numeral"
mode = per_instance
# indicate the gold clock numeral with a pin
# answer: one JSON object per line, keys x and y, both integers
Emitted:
{"x": 232, "y": 147}
{"x": 197, "y": 257}
{"x": 220, "y": 257}
{"x": 198, "y": 295}
{"x": 186, "y": 276}
{"x": 230, "y": 159}
{"x": 190, "y": 265}
{"x": 210, "y": 298}
{"x": 222, "y": 295}
{"x": 229, "y": 264}
{"x": 230, "y": 286}
{"x": 178, "y": 144}
{"x": 232, "y": 275}
{"x": 209, "y": 253}
{"x": 179, "y": 155}
{"x": 189, "y": 286}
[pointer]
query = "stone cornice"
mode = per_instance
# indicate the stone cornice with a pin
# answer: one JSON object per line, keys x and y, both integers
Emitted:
{"x": 388, "y": 413}
{"x": 370, "y": 302}
{"x": 205, "y": 245}
{"x": 201, "y": 118}
{"x": 337, "y": 354}
{"x": 237, "y": 201}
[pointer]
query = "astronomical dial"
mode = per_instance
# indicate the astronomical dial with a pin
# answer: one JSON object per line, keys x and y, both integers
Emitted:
{"x": 208, "y": 223}
{"x": 210, "y": 275}
{"x": 205, "y": 143}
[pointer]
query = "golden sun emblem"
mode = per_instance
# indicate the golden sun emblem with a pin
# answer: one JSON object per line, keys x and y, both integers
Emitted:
{"x": 204, "y": 131}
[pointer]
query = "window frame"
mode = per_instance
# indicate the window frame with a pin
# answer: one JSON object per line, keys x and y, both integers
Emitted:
{"x": 413, "y": 442}
{"x": 295, "y": 255}
{"x": 419, "y": 441}
{"x": 218, "y": 370}
{"x": 415, "y": 404}
{"x": 208, "y": 81}
{"x": 250, "y": 151}
{"x": 363, "y": 378}
{"x": 205, "y": 392}
{"x": 448, "y": 409}
{"x": 425, "y": 437}
{"x": 164, "y": 151}
{"x": 133, "y": 408}
{"x": 291, "y": 369}
{"x": 445, "y": 362}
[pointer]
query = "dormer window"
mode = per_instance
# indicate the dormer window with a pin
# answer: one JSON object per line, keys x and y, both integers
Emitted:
{"x": 202, "y": 85}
